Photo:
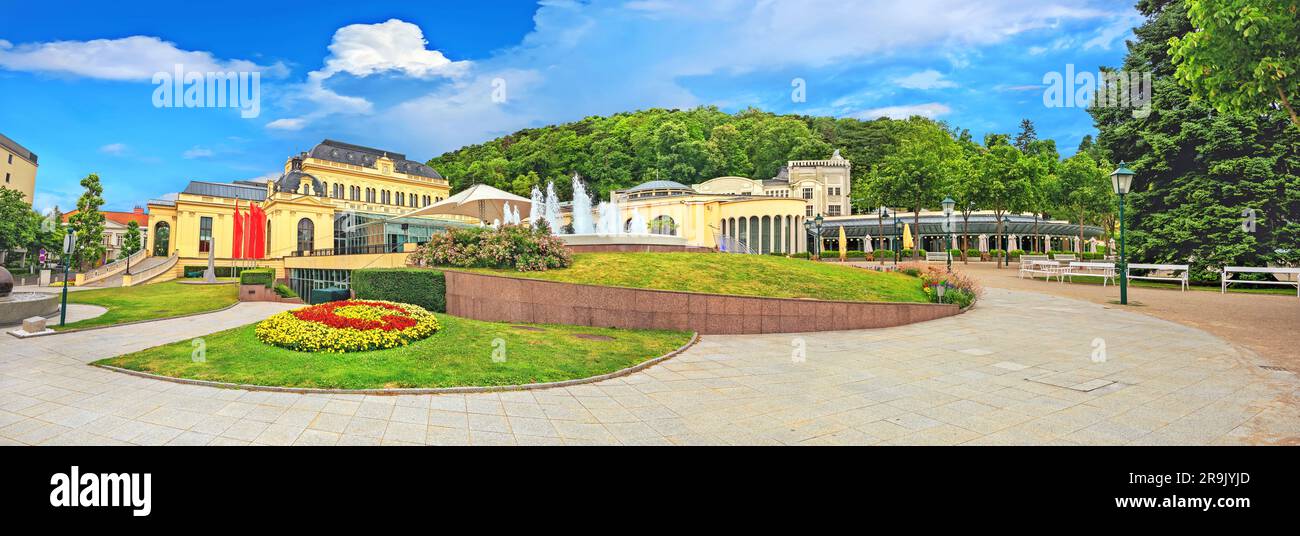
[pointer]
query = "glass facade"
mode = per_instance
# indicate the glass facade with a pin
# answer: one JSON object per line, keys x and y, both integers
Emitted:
{"x": 359, "y": 232}
{"x": 303, "y": 280}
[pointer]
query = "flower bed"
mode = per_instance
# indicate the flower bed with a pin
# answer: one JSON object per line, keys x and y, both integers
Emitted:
{"x": 348, "y": 326}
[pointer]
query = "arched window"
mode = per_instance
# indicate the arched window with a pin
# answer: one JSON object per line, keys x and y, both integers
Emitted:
{"x": 162, "y": 239}
{"x": 754, "y": 241}
{"x": 306, "y": 234}
{"x": 663, "y": 225}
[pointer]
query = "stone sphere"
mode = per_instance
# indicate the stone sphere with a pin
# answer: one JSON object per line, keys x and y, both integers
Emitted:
{"x": 6, "y": 282}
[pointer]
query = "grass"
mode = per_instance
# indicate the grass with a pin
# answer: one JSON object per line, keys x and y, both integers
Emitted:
{"x": 459, "y": 354}
{"x": 151, "y": 302}
{"x": 743, "y": 275}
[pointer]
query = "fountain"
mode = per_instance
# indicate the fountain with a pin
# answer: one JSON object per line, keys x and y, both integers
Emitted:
{"x": 538, "y": 206}
{"x": 552, "y": 208}
{"x": 636, "y": 225}
{"x": 16, "y": 306}
{"x": 581, "y": 208}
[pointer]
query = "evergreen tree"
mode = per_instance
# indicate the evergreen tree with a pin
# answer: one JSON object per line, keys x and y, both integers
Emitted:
{"x": 1027, "y": 136}
{"x": 88, "y": 223}
{"x": 131, "y": 242}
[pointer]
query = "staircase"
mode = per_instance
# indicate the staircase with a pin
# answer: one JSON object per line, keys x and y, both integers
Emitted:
{"x": 142, "y": 271}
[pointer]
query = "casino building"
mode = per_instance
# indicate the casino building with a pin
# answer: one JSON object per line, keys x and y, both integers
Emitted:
{"x": 336, "y": 199}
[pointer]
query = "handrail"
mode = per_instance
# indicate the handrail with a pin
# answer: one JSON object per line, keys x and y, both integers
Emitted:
{"x": 113, "y": 267}
{"x": 350, "y": 250}
{"x": 157, "y": 270}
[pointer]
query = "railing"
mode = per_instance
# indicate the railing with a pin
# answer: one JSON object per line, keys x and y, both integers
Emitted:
{"x": 729, "y": 244}
{"x": 113, "y": 267}
{"x": 156, "y": 270}
{"x": 350, "y": 250}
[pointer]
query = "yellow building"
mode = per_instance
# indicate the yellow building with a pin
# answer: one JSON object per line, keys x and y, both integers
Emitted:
{"x": 18, "y": 166}
{"x": 727, "y": 222}
{"x": 334, "y": 201}
{"x": 823, "y": 185}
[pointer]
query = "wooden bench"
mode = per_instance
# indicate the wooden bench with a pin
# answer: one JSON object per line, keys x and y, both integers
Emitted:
{"x": 931, "y": 256}
{"x": 1225, "y": 277}
{"x": 1177, "y": 272}
{"x": 1104, "y": 270}
{"x": 1065, "y": 257}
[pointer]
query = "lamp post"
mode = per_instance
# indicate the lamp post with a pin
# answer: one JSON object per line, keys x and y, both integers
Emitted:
{"x": 1122, "y": 179}
{"x": 814, "y": 226}
{"x": 948, "y": 205}
{"x": 880, "y": 226}
{"x": 898, "y": 243}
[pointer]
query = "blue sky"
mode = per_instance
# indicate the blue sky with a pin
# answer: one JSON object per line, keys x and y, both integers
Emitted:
{"x": 424, "y": 77}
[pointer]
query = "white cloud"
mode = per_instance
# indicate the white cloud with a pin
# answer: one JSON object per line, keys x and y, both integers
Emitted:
{"x": 1119, "y": 29}
{"x": 197, "y": 152}
{"x": 1037, "y": 51}
{"x": 362, "y": 50}
{"x": 927, "y": 79}
{"x": 114, "y": 149}
{"x": 930, "y": 110}
{"x": 134, "y": 58}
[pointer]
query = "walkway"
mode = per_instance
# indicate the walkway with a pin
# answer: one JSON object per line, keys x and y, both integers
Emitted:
{"x": 140, "y": 267}
{"x": 1019, "y": 369}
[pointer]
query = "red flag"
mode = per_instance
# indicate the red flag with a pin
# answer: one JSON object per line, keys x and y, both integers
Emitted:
{"x": 259, "y": 235}
{"x": 237, "y": 243}
{"x": 250, "y": 231}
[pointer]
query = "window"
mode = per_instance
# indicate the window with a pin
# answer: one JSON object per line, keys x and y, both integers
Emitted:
{"x": 807, "y": 211}
{"x": 306, "y": 234}
{"x": 807, "y": 193}
{"x": 11, "y": 158}
{"x": 205, "y": 234}
{"x": 833, "y": 210}
{"x": 161, "y": 239}
{"x": 663, "y": 225}
{"x": 6, "y": 177}
{"x": 401, "y": 198}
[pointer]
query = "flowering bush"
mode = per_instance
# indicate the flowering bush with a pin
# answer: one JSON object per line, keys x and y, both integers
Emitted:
{"x": 510, "y": 246}
{"x": 962, "y": 289}
{"x": 348, "y": 326}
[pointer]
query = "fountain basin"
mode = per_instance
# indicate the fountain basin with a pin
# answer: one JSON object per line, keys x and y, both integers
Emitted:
{"x": 598, "y": 243}
{"x": 21, "y": 305}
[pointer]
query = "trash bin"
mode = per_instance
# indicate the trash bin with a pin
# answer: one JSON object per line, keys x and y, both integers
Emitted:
{"x": 327, "y": 294}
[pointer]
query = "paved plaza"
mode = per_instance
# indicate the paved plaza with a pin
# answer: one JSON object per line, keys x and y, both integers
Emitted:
{"x": 1019, "y": 369}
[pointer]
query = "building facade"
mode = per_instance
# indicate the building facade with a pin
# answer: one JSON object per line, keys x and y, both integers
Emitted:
{"x": 336, "y": 199}
{"x": 823, "y": 185}
{"x": 18, "y": 167}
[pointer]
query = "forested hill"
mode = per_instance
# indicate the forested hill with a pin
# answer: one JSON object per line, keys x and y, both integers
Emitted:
{"x": 687, "y": 146}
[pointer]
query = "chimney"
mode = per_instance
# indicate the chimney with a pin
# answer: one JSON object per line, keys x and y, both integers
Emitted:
{"x": 139, "y": 210}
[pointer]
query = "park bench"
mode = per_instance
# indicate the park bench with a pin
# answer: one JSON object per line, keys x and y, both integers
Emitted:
{"x": 1037, "y": 264}
{"x": 1160, "y": 272}
{"x": 1104, "y": 270}
{"x": 1065, "y": 257}
{"x": 1225, "y": 277}
{"x": 931, "y": 256}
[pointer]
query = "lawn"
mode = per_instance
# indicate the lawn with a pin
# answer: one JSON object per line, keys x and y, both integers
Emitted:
{"x": 149, "y": 302}
{"x": 459, "y": 354}
{"x": 743, "y": 275}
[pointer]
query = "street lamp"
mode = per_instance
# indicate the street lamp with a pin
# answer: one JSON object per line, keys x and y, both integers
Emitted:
{"x": 814, "y": 226}
{"x": 898, "y": 243}
{"x": 1122, "y": 179}
{"x": 880, "y": 227}
{"x": 948, "y": 205}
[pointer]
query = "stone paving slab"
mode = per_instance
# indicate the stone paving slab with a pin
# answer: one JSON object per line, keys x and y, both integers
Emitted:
{"x": 974, "y": 379}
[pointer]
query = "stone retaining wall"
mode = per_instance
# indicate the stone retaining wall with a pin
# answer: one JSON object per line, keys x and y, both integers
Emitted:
{"x": 508, "y": 299}
{"x": 636, "y": 248}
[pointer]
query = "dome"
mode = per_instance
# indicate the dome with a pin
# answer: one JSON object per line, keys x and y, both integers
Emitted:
{"x": 659, "y": 185}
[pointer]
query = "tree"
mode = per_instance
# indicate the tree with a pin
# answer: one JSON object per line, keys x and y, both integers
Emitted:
{"x": 968, "y": 190}
{"x": 1027, "y": 136}
{"x": 131, "y": 242}
{"x": 912, "y": 174}
{"x": 88, "y": 223}
{"x": 1083, "y": 190}
{"x": 18, "y": 224}
{"x": 1200, "y": 173}
{"x": 1007, "y": 174}
{"x": 1242, "y": 55}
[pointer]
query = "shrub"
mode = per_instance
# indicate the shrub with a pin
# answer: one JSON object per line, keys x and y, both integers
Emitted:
{"x": 282, "y": 290}
{"x": 1016, "y": 253}
{"x": 420, "y": 286}
{"x": 973, "y": 253}
{"x": 956, "y": 253}
{"x": 509, "y": 246}
{"x": 258, "y": 276}
{"x": 884, "y": 254}
{"x": 803, "y": 255}
{"x": 960, "y": 286}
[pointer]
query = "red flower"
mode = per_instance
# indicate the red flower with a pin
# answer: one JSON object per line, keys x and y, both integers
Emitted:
{"x": 324, "y": 314}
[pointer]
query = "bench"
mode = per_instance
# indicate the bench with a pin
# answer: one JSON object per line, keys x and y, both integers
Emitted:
{"x": 1065, "y": 257}
{"x": 1172, "y": 272}
{"x": 931, "y": 256}
{"x": 1225, "y": 277}
{"x": 1104, "y": 270}
{"x": 1036, "y": 264}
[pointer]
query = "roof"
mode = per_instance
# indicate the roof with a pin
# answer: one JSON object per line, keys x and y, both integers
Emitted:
{"x": 932, "y": 224}
{"x": 17, "y": 149}
{"x": 229, "y": 190}
{"x": 658, "y": 185}
{"x": 123, "y": 218}
{"x": 359, "y": 155}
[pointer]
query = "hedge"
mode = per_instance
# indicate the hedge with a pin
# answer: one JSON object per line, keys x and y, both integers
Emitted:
{"x": 419, "y": 286}
{"x": 257, "y": 276}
